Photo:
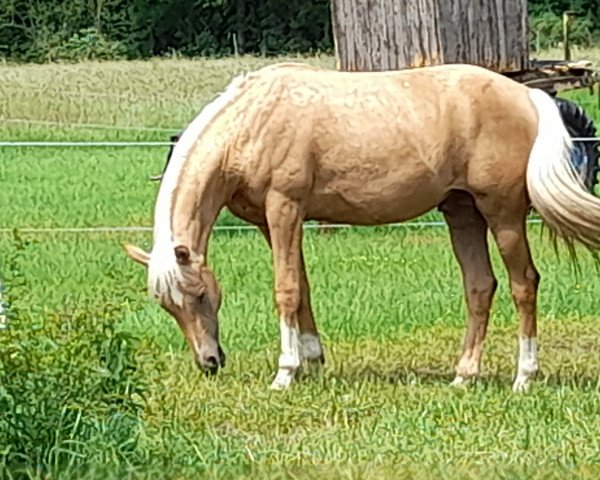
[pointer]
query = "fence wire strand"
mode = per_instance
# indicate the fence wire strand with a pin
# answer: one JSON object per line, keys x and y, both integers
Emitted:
{"x": 224, "y": 228}
{"x": 133, "y": 229}
{"x": 85, "y": 144}
{"x": 90, "y": 126}
{"x": 97, "y": 144}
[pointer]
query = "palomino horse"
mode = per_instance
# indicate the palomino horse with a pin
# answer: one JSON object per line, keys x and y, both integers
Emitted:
{"x": 289, "y": 143}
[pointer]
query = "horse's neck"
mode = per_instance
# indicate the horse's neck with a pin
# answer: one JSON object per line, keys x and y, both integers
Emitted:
{"x": 196, "y": 207}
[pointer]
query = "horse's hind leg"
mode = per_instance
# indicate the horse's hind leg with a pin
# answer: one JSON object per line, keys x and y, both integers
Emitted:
{"x": 468, "y": 232}
{"x": 507, "y": 220}
{"x": 312, "y": 349}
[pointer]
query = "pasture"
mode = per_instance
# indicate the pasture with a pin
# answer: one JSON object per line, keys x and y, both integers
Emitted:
{"x": 97, "y": 382}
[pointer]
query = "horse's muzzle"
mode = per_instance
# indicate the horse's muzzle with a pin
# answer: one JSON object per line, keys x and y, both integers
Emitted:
{"x": 211, "y": 361}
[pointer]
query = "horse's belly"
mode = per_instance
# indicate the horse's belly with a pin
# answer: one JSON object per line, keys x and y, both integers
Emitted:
{"x": 375, "y": 202}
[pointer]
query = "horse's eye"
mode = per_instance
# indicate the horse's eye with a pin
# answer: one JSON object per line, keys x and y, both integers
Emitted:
{"x": 201, "y": 297}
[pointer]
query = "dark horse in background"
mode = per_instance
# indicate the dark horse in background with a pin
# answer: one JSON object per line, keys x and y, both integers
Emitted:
{"x": 579, "y": 125}
{"x": 585, "y": 154}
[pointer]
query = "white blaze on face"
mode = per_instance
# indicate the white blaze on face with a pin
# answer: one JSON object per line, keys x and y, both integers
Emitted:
{"x": 163, "y": 269}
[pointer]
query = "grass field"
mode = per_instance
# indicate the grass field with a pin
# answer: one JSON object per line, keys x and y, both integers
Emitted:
{"x": 98, "y": 383}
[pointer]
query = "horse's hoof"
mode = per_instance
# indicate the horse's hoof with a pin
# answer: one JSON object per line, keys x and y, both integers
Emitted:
{"x": 283, "y": 379}
{"x": 312, "y": 349}
{"x": 521, "y": 384}
{"x": 459, "y": 382}
{"x": 315, "y": 363}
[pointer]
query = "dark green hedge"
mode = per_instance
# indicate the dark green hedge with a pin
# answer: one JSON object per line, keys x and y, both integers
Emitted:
{"x": 50, "y": 29}
{"x": 43, "y": 30}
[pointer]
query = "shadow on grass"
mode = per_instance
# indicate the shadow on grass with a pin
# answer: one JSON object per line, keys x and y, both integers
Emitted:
{"x": 424, "y": 376}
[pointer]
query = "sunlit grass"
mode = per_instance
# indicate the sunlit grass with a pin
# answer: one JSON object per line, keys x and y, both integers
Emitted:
{"x": 389, "y": 306}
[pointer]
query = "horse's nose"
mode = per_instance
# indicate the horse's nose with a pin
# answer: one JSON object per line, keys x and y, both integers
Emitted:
{"x": 211, "y": 359}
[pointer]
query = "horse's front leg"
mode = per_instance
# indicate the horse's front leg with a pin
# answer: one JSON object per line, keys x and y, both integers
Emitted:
{"x": 284, "y": 218}
{"x": 310, "y": 341}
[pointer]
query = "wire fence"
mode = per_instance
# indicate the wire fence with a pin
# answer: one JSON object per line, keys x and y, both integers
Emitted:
{"x": 30, "y": 90}
{"x": 225, "y": 228}
{"x": 85, "y": 144}
{"x": 88, "y": 126}
{"x": 67, "y": 144}
{"x": 121, "y": 229}
{"x": 101, "y": 126}
{"x": 218, "y": 228}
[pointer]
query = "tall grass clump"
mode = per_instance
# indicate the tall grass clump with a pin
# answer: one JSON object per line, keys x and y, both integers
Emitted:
{"x": 71, "y": 390}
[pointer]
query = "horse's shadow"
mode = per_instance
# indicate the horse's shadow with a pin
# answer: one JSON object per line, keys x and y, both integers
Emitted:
{"x": 444, "y": 377}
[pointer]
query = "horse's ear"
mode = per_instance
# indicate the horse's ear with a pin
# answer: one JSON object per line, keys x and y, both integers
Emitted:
{"x": 137, "y": 254}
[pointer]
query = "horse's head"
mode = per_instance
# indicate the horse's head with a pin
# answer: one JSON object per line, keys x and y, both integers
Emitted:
{"x": 192, "y": 296}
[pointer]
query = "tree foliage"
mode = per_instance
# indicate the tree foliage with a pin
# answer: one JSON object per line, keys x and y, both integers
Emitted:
{"x": 545, "y": 20}
{"x": 50, "y": 29}
{"x": 46, "y": 30}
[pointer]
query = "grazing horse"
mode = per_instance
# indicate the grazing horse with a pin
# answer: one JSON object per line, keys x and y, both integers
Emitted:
{"x": 290, "y": 143}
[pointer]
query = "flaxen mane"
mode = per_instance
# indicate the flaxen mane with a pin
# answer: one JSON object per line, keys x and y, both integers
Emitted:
{"x": 164, "y": 273}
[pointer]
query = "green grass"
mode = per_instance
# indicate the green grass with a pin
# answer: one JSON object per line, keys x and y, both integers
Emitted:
{"x": 390, "y": 310}
{"x": 97, "y": 382}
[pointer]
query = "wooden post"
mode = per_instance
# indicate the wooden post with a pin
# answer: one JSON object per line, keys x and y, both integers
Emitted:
{"x": 385, "y": 35}
{"x": 390, "y": 35}
{"x": 566, "y": 33}
{"x": 488, "y": 33}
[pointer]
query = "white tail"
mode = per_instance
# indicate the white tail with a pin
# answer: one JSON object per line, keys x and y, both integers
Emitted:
{"x": 556, "y": 190}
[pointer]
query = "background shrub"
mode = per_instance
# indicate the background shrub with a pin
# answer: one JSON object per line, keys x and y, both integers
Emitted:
{"x": 70, "y": 390}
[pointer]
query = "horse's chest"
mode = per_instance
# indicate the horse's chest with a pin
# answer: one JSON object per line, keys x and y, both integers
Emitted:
{"x": 248, "y": 207}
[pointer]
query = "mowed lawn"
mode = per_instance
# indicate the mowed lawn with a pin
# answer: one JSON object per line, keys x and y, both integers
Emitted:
{"x": 97, "y": 381}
